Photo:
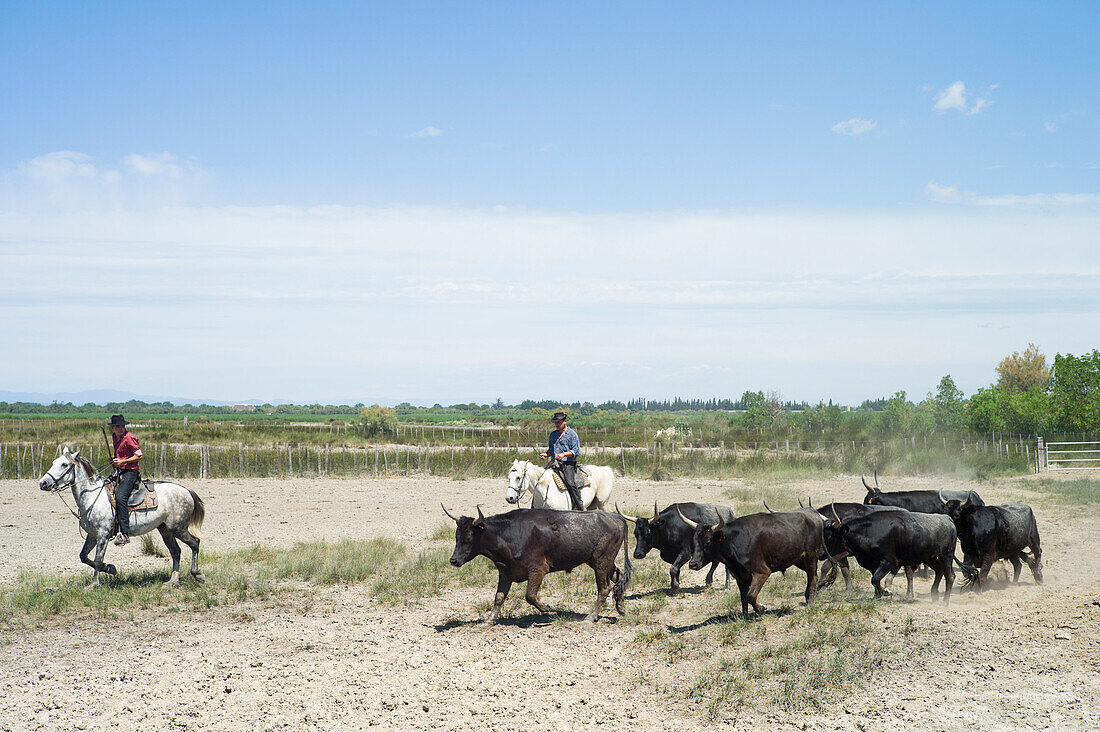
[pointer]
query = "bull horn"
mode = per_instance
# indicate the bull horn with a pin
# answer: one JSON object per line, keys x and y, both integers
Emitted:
{"x": 721, "y": 522}
{"x": 631, "y": 519}
{"x": 480, "y": 515}
{"x": 876, "y": 481}
{"x": 810, "y": 501}
{"x": 942, "y": 499}
{"x": 863, "y": 477}
{"x": 833, "y": 507}
{"x": 656, "y": 514}
{"x": 452, "y": 518}
{"x": 691, "y": 524}
{"x": 800, "y": 503}
{"x": 768, "y": 507}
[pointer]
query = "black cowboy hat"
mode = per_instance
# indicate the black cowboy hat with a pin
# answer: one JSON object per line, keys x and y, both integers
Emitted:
{"x": 117, "y": 420}
{"x": 559, "y": 417}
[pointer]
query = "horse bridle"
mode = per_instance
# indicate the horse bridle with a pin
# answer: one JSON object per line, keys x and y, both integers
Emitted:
{"x": 58, "y": 486}
{"x": 524, "y": 480}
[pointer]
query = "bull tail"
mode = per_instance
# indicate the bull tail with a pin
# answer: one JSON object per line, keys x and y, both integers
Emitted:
{"x": 197, "y": 515}
{"x": 970, "y": 573}
{"x": 624, "y": 577}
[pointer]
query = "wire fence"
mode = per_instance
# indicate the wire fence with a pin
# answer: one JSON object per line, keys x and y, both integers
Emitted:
{"x": 164, "y": 460}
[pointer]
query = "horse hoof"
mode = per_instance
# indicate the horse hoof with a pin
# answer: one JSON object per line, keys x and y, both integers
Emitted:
{"x": 200, "y": 577}
{"x": 592, "y": 617}
{"x": 173, "y": 582}
{"x": 110, "y": 569}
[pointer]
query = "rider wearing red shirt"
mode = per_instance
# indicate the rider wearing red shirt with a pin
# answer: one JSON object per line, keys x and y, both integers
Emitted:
{"x": 127, "y": 461}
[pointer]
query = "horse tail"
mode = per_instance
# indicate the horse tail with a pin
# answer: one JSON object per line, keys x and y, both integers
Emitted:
{"x": 197, "y": 515}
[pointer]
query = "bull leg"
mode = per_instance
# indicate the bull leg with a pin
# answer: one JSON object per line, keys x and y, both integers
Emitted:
{"x": 674, "y": 571}
{"x": 1017, "y": 567}
{"x": 603, "y": 586}
{"x": 1036, "y": 563}
{"x": 727, "y": 575}
{"x": 938, "y": 569}
{"x": 908, "y": 583}
{"x": 504, "y": 583}
{"x": 710, "y": 574}
{"x": 758, "y": 580}
{"x": 983, "y": 575}
{"x": 743, "y": 588}
{"x": 811, "y": 579}
{"x": 534, "y": 582}
{"x": 949, "y": 579}
{"x": 174, "y": 550}
{"x": 883, "y": 569}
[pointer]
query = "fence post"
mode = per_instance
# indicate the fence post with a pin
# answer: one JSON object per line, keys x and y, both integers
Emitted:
{"x": 1040, "y": 455}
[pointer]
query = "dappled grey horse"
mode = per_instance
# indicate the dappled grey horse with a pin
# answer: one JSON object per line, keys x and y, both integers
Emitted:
{"x": 178, "y": 515}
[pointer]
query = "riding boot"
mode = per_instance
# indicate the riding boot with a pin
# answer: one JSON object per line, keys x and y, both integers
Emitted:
{"x": 569, "y": 477}
{"x": 575, "y": 496}
{"x": 126, "y": 483}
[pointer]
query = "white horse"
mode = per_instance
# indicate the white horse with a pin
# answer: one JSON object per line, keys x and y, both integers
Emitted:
{"x": 178, "y": 515}
{"x": 526, "y": 476}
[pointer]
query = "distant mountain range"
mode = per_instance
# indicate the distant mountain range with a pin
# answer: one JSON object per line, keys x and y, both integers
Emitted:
{"x": 107, "y": 396}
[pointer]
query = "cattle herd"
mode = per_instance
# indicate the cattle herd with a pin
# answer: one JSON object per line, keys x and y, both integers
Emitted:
{"x": 887, "y": 533}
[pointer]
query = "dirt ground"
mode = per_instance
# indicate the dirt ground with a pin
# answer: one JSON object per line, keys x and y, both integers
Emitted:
{"x": 1016, "y": 657}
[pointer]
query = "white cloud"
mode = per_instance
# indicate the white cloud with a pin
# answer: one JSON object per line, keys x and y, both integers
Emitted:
{"x": 952, "y": 194}
{"x": 942, "y": 193}
{"x": 956, "y": 97}
{"x": 60, "y": 165}
{"x": 953, "y": 97}
{"x": 428, "y": 131}
{"x": 854, "y": 126}
{"x": 164, "y": 163}
{"x": 1050, "y": 127}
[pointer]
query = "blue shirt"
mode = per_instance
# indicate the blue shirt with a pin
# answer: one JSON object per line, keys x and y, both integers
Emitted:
{"x": 566, "y": 441}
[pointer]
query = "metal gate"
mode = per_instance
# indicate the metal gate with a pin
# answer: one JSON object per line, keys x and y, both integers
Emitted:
{"x": 1072, "y": 455}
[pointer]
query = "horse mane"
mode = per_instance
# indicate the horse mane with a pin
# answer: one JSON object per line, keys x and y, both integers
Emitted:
{"x": 85, "y": 463}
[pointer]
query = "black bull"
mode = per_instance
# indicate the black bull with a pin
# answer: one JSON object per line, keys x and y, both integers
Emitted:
{"x": 925, "y": 501}
{"x": 754, "y": 546}
{"x": 989, "y": 533}
{"x": 672, "y": 538}
{"x": 846, "y": 512}
{"x": 885, "y": 541}
{"x": 528, "y": 544}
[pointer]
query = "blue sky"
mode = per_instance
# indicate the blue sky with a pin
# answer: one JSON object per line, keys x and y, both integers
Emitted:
{"x": 435, "y": 201}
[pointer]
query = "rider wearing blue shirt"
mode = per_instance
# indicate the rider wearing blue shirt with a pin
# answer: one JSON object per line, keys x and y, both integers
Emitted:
{"x": 563, "y": 447}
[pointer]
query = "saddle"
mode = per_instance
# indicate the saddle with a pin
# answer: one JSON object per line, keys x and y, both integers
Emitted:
{"x": 143, "y": 498}
{"x": 561, "y": 483}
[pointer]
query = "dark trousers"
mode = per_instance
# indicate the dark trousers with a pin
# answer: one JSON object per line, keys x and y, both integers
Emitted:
{"x": 568, "y": 473}
{"x": 127, "y": 481}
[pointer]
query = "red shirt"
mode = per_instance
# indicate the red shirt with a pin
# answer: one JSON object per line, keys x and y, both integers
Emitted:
{"x": 126, "y": 447}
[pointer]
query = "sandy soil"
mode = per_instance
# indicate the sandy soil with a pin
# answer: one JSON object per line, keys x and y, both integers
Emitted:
{"x": 1016, "y": 657}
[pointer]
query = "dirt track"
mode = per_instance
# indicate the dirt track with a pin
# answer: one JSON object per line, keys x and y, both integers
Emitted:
{"x": 1025, "y": 657}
